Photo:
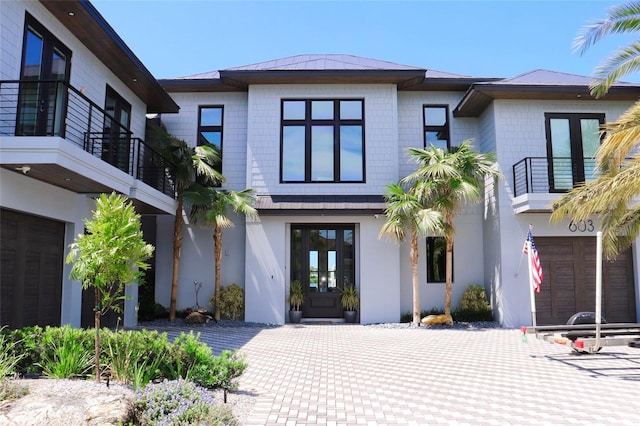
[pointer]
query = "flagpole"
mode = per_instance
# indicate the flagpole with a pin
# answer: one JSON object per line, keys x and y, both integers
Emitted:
{"x": 532, "y": 294}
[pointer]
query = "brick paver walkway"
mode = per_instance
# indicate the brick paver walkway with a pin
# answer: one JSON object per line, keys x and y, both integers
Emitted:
{"x": 352, "y": 374}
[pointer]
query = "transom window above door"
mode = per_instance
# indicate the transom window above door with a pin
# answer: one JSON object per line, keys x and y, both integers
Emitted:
{"x": 322, "y": 141}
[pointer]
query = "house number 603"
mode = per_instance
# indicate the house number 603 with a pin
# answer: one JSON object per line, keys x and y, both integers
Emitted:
{"x": 581, "y": 226}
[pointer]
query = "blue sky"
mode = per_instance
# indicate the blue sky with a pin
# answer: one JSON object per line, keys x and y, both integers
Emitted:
{"x": 476, "y": 38}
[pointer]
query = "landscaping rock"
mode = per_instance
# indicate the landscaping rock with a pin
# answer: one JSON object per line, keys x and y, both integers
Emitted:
{"x": 437, "y": 319}
{"x": 68, "y": 402}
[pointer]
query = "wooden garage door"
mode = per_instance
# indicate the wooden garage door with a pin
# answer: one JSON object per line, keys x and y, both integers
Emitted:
{"x": 31, "y": 261}
{"x": 569, "y": 285}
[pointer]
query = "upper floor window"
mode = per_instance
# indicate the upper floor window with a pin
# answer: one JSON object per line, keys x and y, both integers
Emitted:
{"x": 210, "y": 128}
{"x": 572, "y": 142}
{"x": 46, "y": 64}
{"x": 322, "y": 141}
{"x": 436, "y": 126}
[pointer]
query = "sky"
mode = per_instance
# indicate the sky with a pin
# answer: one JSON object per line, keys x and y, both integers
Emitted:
{"x": 475, "y": 38}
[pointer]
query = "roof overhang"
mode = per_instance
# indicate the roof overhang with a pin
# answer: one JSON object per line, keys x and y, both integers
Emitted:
{"x": 440, "y": 84}
{"x": 87, "y": 24}
{"x": 319, "y": 205}
{"x": 480, "y": 95}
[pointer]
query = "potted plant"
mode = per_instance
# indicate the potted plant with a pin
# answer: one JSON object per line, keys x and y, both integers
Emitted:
{"x": 296, "y": 299}
{"x": 350, "y": 301}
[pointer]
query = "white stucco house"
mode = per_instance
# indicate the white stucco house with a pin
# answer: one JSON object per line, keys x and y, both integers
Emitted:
{"x": 318, "y": 137}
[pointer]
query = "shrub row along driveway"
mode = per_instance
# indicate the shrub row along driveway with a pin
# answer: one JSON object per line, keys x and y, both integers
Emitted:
{"x": 352, "y": 374}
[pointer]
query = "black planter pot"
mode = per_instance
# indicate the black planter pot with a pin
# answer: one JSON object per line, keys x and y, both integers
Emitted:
{"x": 295, "y": 316}
{"x": 350, "y": 316}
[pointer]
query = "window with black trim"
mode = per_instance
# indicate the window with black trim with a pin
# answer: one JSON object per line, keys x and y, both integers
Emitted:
{"x": 436, "y": 259}
{"x": 322, "y": 141}
{"x": 210, "y": 128}
{"x": 436, "y": 126}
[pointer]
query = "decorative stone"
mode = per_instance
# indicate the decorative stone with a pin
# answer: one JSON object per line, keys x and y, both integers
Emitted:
{"x": 68, "y": 402}
{"x": 197, "y": 318}
{"x": 437, "y": 319}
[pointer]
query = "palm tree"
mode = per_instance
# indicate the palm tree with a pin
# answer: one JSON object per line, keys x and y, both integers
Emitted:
{"x": 612, "y": 193}
{"x": 210, "y": 206}
{"x": 185, "y": 165}
{"x": 445, "y": 181}
{"x": 405, "y": 212}
{"x": 620, "y": 20}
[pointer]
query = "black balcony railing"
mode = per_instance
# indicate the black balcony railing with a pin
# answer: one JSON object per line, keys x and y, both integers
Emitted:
{"x": 54, "y": 108}
{"x": 556, "y": 174}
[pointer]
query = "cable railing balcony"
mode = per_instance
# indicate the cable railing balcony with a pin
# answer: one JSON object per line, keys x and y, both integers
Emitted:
{"x": 54, "y": 108}
{"x": 551, "y": 175}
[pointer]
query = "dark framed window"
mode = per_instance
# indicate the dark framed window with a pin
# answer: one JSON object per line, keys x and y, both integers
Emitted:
{"x": 436, "y": 126}
{"x": 322, "y": 141}
{"x": 572, "y": 142}
{"x": 210, "y": 119}
{"x": 45, "y": 68}
{"x": 116, "y": 136}
{"x": 436, "y": 259}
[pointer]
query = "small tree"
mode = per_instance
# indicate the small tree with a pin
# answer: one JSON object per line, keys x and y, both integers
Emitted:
{"x": 110, "y": 255}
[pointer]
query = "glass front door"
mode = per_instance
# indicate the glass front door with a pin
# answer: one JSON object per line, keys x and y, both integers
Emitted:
{"x": 322, "y": 259}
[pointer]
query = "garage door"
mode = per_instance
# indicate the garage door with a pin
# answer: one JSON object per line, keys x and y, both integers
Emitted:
{"x": 31, "y": 261}
{"x": 569, "y": 285}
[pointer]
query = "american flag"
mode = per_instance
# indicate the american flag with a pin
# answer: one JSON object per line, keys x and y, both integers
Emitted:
{"x": 536, "y": 268}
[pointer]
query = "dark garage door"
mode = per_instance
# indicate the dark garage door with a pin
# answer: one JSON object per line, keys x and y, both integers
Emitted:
{"x": 31, "y": 261}
{"x": 569, "y": 284}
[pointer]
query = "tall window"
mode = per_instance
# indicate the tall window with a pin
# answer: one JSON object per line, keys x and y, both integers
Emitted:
{"x": 210, "y": 128}
{"x": 322, "y": 141}
{"x": 46, "y": 64}
{"x": 116, "y": 143}
{"x": 436, "y": 259}
{"x": 436, "y": 126}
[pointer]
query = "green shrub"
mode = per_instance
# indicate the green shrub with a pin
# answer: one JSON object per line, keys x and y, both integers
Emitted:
{"x": 67, "y": 352}
{"x": 225, "y": 370}
{"x": 231, "y": 302}
{"x": 28, "y": 342}
{"x": 136, "y": 357}
{"x": 9, "y": 357}
{"x": 473, "y": 305}
{"x": 187, "y": 352}
{"x": 178, "y": 402}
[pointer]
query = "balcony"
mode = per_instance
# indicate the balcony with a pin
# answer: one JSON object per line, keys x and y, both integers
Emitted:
{"x": 537, "y": 181}
{"x": 69, "y": 141}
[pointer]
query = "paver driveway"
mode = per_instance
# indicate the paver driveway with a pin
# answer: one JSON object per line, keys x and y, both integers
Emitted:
{"x": 353, "y": 374}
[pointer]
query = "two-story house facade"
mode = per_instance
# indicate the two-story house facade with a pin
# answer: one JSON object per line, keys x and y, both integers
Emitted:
{"x": 320, "y": 136}
{"x": 73, "y": 106}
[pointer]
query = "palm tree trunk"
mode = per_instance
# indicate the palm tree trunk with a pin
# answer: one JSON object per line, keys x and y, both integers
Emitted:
{"x": 217, "y": 248}
{"x": 177, "y": 245}
{"x": 448, "y": 276}
{"x": 415, "y": 278}
{"x": 97, "y": 312}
